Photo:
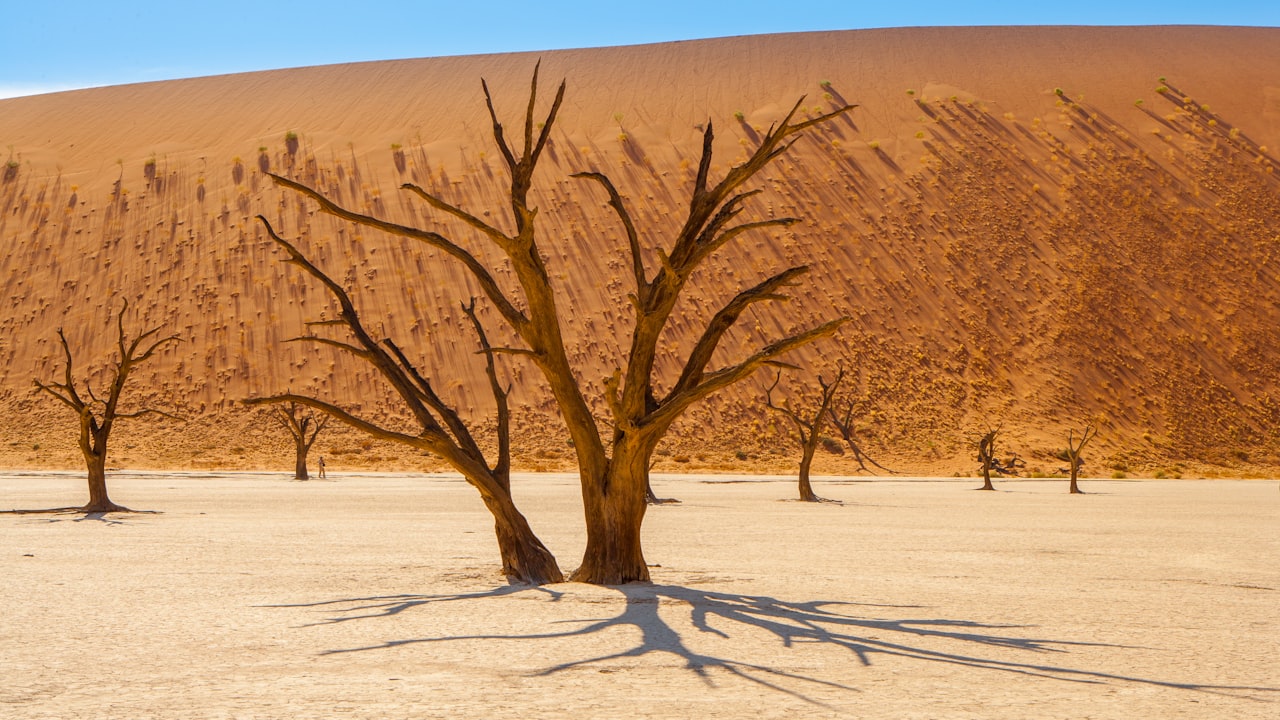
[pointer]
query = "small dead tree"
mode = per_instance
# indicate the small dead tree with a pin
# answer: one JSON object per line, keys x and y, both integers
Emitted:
{"x": 808, "y": 429}
{"x": 1074, "y": 450}
{"x": 304, "y": 428}
{"x": 613, "y": 462}
{"x": 97, "y": 415}
{"x": 987, "y": 456}
{"x": 442, "y": 430}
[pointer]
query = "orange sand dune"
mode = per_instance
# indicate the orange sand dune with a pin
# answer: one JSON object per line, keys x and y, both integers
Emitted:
{"x": 1018, "y": 240}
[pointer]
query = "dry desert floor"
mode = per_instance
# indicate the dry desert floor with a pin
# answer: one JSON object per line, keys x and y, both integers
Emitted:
{"x": 377, "y": 596}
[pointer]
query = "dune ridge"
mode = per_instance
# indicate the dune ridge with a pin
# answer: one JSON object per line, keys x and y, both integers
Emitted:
{"x": 1018, "y": 239}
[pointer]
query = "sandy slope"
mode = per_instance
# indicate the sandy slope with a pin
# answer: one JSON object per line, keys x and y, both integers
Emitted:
{"x": 1008, "y": 254}
{"x": 377, "y": 596}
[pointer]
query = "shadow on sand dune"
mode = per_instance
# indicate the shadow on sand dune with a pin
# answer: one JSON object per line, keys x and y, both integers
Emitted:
{"x": 827, "y": 624}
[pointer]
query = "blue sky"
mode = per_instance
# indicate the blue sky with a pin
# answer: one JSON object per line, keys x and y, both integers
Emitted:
{"x": 71, "y": 43}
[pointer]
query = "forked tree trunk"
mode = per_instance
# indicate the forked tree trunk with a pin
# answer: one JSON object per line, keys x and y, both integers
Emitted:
{"x": 615, "y": 509}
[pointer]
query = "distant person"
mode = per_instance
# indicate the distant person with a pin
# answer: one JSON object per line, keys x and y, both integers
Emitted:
{"x": 321, "y": 466}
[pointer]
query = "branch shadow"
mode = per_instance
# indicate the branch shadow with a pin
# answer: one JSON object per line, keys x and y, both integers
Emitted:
{"x": 830, "y": 624}
{"x": 61, "y": 514}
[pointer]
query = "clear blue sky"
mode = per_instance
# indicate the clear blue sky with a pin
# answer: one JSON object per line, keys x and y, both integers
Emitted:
{"x": 65, "y": 44}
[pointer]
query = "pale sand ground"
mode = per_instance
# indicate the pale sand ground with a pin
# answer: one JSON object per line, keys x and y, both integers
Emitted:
{"x": 377, "y": 596}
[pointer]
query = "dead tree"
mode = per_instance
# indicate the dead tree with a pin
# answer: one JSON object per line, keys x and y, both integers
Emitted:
{"x": 987, "y": 457}
{"x": 808, "y": 429}
{"x": 614, "y": 464}
{"x": 304, "y": 429}
{"x": 1073, "y": 454}
{"x": 97, "y": 415}
{"x": 442, "y": 430}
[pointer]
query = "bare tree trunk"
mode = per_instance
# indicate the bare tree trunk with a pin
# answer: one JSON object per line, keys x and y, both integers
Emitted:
{"x": 806, "y": 461}
{"x": 300, "y": 464}
{"x": 987, "y": 456}
{"x": 1075, "y": 488}
{"x": 524, "y": 558}
{"x": 615, "y": 508}
{"x": 99, "y": 501}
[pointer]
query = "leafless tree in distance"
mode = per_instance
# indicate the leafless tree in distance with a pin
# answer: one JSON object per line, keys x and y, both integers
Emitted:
{"x": 98, "y": 415}
{"x": 614, "y": 463}
{"x": 304, "y": 426}
{"x": 1074, "y": 450}
{"x": 808, "y": 428}
{"x": 987, "y": 456}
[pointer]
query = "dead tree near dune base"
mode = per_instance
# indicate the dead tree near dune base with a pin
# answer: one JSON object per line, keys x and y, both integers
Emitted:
{"x": 304, "y": 429}
{"x": 442, "y": 433}
{"x": 808, "y": 430}
{"x": 987, "y": 457}
{"x": 614, "y": 463}
{"x": 1074, "y": 451}
{"x": 97, "y": 415}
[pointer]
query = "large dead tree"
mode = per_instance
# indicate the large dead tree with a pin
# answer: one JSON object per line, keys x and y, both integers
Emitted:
{"x": 614, "y": 464}
{"x": 808, "y": 429}
{"x": 304, "y": 426}
{"x": 442, "y": 431}
{"x": 1074, "y": 450}
{"x": 98, "y": 415}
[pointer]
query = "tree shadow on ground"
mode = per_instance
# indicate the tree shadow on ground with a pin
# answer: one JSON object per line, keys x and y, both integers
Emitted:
{"x": 111, "y": 517}
{"x": 830, "y": 624}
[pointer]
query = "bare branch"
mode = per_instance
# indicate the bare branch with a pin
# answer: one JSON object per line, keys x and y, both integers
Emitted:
{"x": 785, "y": 409}
{"x": 633, "y": 239}
{"x": 503, "y": 466}
{"x": 704, "y": 168}
{"x": 436, "y": 240}
{"x": 676, "y": 403}
{"x": 725, "y": 319}
{"x": 798, "y": 127}
{"x": 495, "y": 234}
{"x": 498, "y": 135}
{"x": 507, "y": 351}
{"x": 332, "y": 343}
{"x": 461, "y": 435}
{"x": 53, "y": 390}
{"x": 704, "y": 249}
{"x": 849, "y": 434}
{"x": 338, "y": 414}
{"x": 545, "y": 133}
{"x": 150, "y": 411}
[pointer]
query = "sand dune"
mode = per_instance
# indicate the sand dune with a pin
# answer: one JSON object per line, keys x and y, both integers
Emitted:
{"x": 1018, "y": 239}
